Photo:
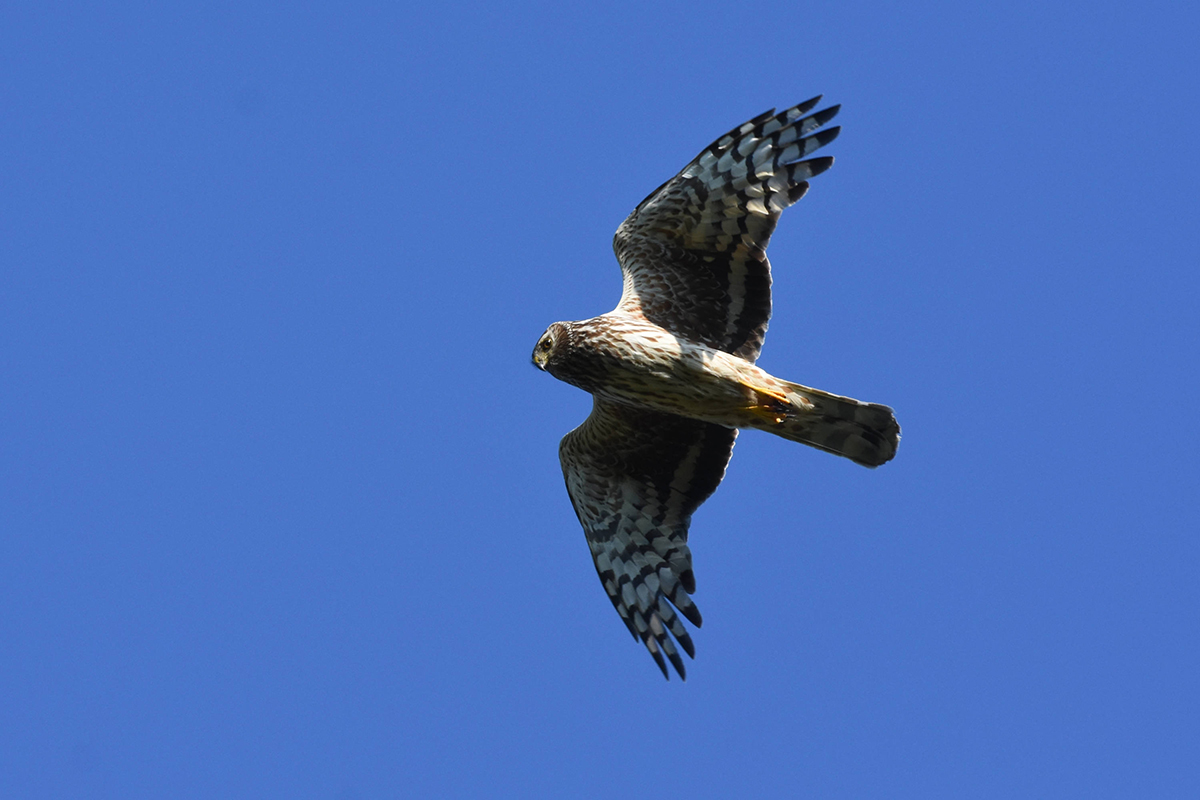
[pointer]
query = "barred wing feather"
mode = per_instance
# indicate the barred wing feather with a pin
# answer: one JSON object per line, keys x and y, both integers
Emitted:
{"x": 693, "y": 253}
{"x": 635, "y": 477}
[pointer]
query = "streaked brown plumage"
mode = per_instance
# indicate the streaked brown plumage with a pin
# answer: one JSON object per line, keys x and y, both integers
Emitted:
{"x": 672, "y": 372}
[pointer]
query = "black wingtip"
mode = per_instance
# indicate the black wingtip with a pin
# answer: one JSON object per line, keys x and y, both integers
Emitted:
{"x": 826, "y": 114}
{"x": 826, "y": 136}
{"x": 803, "y": 108}
{"x": 819, "y": 165}
{"x": 677, "y": 662}
{"x": 691, "y": 613}
{"x": 662, "y": 665}
{"x": 685, "y": 642}
{"x": 688, "y": 579}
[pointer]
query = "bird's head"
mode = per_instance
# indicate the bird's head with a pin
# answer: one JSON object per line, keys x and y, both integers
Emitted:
{"x": 551, "y": 344}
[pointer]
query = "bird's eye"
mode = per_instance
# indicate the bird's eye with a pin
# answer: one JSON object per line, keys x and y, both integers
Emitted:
{"x": 544, "y": 345}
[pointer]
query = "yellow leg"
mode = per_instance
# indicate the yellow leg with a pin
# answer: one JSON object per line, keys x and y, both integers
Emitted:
{"x": 768, "y": 405}
{"x": 772, "y": 414}
{"x": 765, "y": 396}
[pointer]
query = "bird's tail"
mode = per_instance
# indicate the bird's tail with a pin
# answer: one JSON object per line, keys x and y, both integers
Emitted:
{"x": 865, "y": 433}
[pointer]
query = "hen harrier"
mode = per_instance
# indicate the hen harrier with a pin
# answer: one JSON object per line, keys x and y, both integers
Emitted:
{"x": 671, "y": 369}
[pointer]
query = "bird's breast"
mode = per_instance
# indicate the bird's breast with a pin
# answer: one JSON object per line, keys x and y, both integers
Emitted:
{"x": 634, "y": 362}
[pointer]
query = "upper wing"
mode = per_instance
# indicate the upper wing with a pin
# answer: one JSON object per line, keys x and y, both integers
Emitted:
{"x": 694, "y": 252}
{"x": 635, "y": 477}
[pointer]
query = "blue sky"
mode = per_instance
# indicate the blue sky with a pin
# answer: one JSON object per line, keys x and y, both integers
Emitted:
{"x": 280, "y": 507}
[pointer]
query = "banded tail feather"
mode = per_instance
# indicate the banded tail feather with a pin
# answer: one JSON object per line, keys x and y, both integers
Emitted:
{"x": 865, "y": 433}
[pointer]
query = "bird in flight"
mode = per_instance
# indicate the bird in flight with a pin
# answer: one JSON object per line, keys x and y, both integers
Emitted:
{"x": 671, "y": 369}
